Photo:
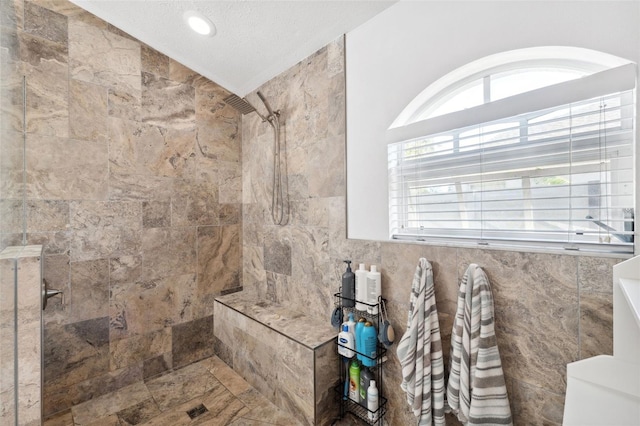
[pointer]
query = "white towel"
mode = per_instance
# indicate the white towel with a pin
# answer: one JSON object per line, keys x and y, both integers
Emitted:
{"x": 476, "y": 390}
{"x": 420, "y": 351}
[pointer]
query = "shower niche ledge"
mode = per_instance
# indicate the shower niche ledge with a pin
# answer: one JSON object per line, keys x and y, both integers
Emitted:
{"x": 286, "y": 355}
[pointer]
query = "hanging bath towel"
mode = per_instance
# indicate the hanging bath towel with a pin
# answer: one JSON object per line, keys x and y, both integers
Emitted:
{"x": 420, "y": 351}
{"x": 476, "y": 391}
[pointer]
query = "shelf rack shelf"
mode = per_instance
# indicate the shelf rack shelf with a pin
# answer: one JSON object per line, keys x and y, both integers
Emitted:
{"x": 347, "y": 405}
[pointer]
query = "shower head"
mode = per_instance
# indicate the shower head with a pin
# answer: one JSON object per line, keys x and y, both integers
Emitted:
{"x": 240, "y": 104}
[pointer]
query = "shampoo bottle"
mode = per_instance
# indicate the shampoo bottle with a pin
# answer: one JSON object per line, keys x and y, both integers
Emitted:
{"x": 359, "y": 327}
{"x": 369, "y": 342}
{"x": 347, "y": 342}
{"x": 354, "y": 381}
{"x": 374, "y": 289}
{"x": 348, "y": 286}
{"x": 372, "y": 401}
{"x": 361, "y": 288}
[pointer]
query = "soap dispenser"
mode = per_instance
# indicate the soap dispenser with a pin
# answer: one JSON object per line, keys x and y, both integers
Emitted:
{"x": 348, "y": 287}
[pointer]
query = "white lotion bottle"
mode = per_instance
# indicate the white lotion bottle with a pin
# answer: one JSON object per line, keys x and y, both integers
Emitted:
{"x": 361, "y": 288}
{"x": 347, "y": 345}
{"x": 372, "y": 401}
{"x": 374, "y": 289}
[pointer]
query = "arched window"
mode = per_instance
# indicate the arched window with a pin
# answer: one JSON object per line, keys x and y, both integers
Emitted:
{"x": 519, "y": 149}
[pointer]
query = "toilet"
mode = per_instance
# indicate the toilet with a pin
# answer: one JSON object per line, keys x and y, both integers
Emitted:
{"x": 605, "y": 390}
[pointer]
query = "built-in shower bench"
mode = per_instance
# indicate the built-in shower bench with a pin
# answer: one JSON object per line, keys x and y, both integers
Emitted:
{"x": 286, "y": 355}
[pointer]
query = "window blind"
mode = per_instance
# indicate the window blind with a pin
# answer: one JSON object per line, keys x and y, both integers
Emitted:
{"x": 559, "y": 177}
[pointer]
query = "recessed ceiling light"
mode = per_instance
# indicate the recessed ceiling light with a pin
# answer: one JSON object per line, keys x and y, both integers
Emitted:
{"x": 199, "y": 23}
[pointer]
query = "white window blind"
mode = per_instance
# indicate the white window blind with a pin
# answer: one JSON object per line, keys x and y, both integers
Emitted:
{"x": 559, "y": 177}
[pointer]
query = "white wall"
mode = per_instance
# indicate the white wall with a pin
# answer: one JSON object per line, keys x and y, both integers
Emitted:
{"x": 394, "y": 56}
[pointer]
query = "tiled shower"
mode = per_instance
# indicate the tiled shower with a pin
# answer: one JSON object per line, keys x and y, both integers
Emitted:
{"x": 148, "y": 194}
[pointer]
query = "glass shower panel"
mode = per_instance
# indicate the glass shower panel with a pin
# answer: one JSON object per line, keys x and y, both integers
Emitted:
{"x": 12, "y": 220}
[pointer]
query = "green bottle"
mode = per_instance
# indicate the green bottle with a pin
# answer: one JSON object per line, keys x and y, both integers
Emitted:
{"x": 354, "y": 381}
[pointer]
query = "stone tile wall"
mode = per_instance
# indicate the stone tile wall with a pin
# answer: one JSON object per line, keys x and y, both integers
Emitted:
{"x": 133, "y": 186}
{"x": 550, "y": 309}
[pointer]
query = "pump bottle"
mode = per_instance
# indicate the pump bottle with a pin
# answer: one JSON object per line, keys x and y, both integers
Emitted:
{"x": 348, "y": 287}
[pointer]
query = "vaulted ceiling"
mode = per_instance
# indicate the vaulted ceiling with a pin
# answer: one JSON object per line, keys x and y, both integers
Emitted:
{"x": 255, "y": 40}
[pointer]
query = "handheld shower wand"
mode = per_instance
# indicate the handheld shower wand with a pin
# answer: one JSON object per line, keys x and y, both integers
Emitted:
{"x": 279, "y": 193}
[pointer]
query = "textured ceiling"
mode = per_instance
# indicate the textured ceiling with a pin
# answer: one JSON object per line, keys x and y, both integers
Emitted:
{"x": 255, "y": 40}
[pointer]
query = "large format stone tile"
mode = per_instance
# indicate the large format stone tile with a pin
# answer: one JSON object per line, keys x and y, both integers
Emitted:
{"x": 321, "y": 183}
{"x": 219, "y": 258}
{"x": 595, "y": 274}
{"x": 535, "y": 406}
{"x": 192, "y": 341}
{"x": 167, "y": 103}
{"x": 223, "y": 407}
{"x": 229, "y": 180}
{"x": 596, "y": 324}
{"x": 105, "y": 229}
{"x": 138, "y": 413}
{"x": 87, "y": 111}
{"x": 76, "y": 351}
{"x": 46, "y": 71}
{"x": 64, "y": 169}
{"x": 149, "y": 149}
{"x": 11, "y": 162}
{"x": 124, "y": 104}
{"x": 110, "y": 404}
{"x": 194, "y": 203}
{"x": 154, "y": 62}
{"x": 63, "y": 419}
{"x": 229, "y": 378}
{"x": 182, "y": 385}
{"x": 12, "y": 216}
{"x": 156, "y": 214}
{"x": 263, "y": 411}
{"x": 101, "y": 57}
{"x": 138, "y": 348}
{"x": 143, "y": 307}
{"x": 59, "y": 396}
{"x": 47, "y": 215}
{"x": 168, "y": 251}
{"x": 45, "y": 23}
{"x": 218, "y": 126}
{"x": 277, "y": 252}
{"x": 132, "y": 186}
{"x": 125, "y": 269}
{"x": 532, "y": 292}
{"x": 89, "y": 290}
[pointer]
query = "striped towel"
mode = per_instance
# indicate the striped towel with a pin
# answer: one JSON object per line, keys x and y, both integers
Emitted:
{"x": 420, "y": 351}
{"x": 476, "y": 390}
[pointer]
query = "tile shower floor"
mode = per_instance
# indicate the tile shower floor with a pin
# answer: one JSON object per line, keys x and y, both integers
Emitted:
{"x": 209, "y": 391}
{"x": 204, "y": 393}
